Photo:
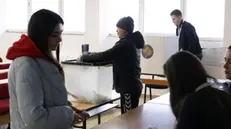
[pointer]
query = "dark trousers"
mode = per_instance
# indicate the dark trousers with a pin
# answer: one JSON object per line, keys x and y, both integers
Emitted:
{"x": 129, "y": 101}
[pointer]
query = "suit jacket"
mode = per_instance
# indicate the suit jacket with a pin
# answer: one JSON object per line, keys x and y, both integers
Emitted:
{"x": 188, "y": 39}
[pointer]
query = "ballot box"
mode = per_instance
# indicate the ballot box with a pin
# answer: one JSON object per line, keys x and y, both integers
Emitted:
{"x": 86, "y": 82}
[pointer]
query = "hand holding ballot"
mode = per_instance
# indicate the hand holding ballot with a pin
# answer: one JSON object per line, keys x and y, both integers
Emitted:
{"x": 79, "y": 58}
{"x": 80, "y": 115}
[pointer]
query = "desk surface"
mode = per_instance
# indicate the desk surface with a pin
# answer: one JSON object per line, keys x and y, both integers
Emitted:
{"x": 143, "y": 117}
{"x": 163, "y": 99}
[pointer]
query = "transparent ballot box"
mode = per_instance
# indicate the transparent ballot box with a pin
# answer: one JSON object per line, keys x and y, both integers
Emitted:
{"x": 91, "y": 83}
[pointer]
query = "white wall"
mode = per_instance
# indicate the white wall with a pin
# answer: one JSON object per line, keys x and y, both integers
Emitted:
{"x": 227, "y": 25}
{"x": 71, "y": 45}
{"x": 6, "y": 41}
{"x": 2, "y": 16}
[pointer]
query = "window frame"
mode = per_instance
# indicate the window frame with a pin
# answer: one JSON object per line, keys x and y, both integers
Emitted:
{"x": 183, "y": 8}
{"x": 183, "y": 5}
{"x": 29, "y": 13}
{"x": 203, "y": 38}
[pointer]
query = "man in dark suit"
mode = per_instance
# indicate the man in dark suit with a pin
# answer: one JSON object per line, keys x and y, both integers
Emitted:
{"x": 188, "y": 39}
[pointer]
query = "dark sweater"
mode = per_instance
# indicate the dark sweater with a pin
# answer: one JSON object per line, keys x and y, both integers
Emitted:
{"x": 125, "y": 57}
{"x": 208, "y": 108}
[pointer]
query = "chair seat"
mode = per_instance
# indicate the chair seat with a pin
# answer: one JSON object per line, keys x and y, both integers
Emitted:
{"x": 156, "y": 86}
{"x": 4, "y": 106}
{"x": 4, "y": 93}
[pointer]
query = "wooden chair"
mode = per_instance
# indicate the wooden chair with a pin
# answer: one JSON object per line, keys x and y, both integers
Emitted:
{"x": 95, "y": 109}
{"x": 3, "y": 74}
{"x": 4, "y": 65}
{"x": 4, "y": 103}
{"x": 153, "y": 84}
{"x": 4, "y": 96}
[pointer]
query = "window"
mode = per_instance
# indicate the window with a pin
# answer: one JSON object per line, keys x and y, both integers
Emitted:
{"x": 74, "y": 15}
{"x": 208, "y": 22}
{"x": 117, "y": 9}
{"x": 52, "y": 5}
{"x": 157, "y": 16}
{"x": 16, "y": 14}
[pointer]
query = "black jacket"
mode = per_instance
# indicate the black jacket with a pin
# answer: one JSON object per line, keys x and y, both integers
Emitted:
{"x": 125, "y": 57}
{"x": 188, "y": 40}
{"x": 208, "y": 108}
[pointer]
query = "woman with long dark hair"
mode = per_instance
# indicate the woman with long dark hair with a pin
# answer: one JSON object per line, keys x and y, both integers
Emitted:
{"x": 195, "y": 101}
{"x": 38, "y": 97}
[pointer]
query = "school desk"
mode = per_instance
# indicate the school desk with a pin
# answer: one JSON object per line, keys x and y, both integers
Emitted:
{"x": 156, "y": 116}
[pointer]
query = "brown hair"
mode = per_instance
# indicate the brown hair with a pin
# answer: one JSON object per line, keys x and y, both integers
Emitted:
{"x": 229, "y": 47}
{"x": 184, "y": 73}
{"x": 176, "y": 12}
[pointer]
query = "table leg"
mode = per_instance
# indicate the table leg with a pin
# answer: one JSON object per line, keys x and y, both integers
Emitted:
{"x": 99, "y": 119}
{"x": 145, "y": 92}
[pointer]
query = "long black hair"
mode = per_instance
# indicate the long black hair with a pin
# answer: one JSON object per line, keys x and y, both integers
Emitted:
{"x": 41, "y": 25}
{"x": 184, "y": 73}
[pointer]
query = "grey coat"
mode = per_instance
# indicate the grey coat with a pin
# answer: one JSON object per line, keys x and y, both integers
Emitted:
{"x": 38, "y": 97}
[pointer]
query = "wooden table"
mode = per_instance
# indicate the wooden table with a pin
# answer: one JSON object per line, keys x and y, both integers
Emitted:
{"x": 88, "y": 106}
{"x": 143, "y": 117}
{"x": 155, "y": 82}
{"x": 163, "y": 99}
{"x": 95, "y": 109}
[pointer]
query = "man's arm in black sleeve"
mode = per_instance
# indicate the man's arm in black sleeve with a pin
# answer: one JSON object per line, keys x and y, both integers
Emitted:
{"x": 105, "y": 56}
{"x": 190, "y": 37}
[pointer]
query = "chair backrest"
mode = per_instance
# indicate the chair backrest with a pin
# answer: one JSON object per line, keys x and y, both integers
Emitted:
{"x": 3, "y": 75}
{"x": 4, "y": 92}
{"x": 4, "y": 65}
{"x": 153, "y": 75}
